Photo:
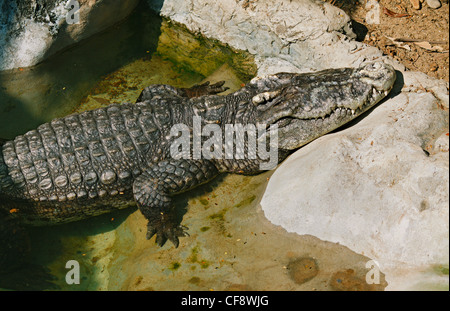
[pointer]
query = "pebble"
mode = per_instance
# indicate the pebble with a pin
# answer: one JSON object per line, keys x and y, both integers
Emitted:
{"x": 434, "y": 67}
{"x": 415, "y": 4}
{"x": 303, "y": 269}
{"x": 434, "y": 4}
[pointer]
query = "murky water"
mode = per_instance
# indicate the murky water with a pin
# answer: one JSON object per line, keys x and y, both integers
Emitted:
{"x": 231, "y": 245}
{"x": 113, "y": 66}
{"x": 31, "y": 96}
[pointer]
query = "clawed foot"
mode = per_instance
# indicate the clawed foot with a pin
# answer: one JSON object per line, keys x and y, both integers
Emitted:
{"x": 165, "y": 229}
{"x": 205, "y": 89}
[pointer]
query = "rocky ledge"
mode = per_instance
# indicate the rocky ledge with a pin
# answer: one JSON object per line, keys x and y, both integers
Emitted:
{"x": 32, "y": 30}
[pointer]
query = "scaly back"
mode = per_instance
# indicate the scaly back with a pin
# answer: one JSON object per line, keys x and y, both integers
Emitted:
{"x": 87, "y": 155}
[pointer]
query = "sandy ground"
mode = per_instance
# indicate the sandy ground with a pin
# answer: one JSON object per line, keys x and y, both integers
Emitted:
{"x": 422, "y": 35}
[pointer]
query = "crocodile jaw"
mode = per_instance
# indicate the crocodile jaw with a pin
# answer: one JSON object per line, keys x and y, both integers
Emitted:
{"x": 306, "y": 130}
{"x": 308, "y": 111}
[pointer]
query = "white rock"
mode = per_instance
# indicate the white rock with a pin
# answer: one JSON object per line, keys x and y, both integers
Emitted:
{"x": 373, "y": 12}
{"x": 441, "y": 144}
{"x": 27, "y": 48}
{"x": 372, "y": 188}
{"x": 303, "y": 33}
{"x": 434, "y": 4}
{"x": 28, "y": 35}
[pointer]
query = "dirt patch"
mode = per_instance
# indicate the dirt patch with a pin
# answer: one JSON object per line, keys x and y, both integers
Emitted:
{"x": 302, "y": 270}
{"x": 422, "y": 34}
{"x": 349, "y": 280}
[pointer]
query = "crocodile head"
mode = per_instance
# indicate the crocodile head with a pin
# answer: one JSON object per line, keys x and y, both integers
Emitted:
{"x": 307, "y": 106}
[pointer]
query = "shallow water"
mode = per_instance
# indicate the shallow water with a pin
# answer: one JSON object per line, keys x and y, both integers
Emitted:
{"x": 231, "y": 244}
{"x": 34, "y": 95}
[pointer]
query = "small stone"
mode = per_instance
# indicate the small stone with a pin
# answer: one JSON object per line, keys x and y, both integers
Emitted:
{"x": 348, "y": 280}
{"x": 415, "y": 4}
{"x": 434, "y": 4}
{"x": 302, "y": 270}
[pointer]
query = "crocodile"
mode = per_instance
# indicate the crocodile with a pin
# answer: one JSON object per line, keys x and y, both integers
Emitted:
{"x": 113, "y": 157}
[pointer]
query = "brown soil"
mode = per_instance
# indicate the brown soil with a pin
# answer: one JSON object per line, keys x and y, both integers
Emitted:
{"x": 399, "y": 20}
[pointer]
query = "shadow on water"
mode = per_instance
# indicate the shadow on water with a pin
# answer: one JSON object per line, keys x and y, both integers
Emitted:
{"x": 181, "y": 201}
{"x": 66, "y": 242}
{"x": 72, "y": 241}
{"x": 53, "y": 88}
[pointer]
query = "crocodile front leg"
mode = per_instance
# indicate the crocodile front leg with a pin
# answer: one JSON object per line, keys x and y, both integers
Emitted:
{"x": 155, "y": 186}
{"x": 205, "y": 89}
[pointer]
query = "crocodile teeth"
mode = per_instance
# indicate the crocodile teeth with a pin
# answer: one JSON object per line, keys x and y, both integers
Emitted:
{"x": 255, "y": 80}
{"x": 257, "y": 99}
{"x": 353, "y": 112}
{"x": 266, "y": 96}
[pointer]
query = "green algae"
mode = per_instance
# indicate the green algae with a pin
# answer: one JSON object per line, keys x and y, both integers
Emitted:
{"x": 204, "y": 201}
{"x": 246, "y": 201}
{"x": 204, "y": 229}
{"x": 194, "y": 255}
{"x": 174, "y": 266}
{"x": 194, "y": 258}
{"x": 219, "y": 216}
{"x": 204, "y": 264}
{"x": 194, "y": 52}
{"x": 194, "y": 280}
{"x": 441, "y": 269}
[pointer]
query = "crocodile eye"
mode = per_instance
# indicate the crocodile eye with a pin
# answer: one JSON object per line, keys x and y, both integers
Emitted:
{"x": 374, "y": 66}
